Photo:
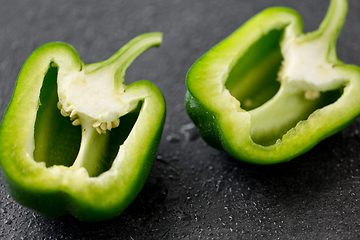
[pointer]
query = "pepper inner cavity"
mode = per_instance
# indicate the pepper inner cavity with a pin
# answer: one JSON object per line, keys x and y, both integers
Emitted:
{"x": 253, "y": 82}
{"x": 57, "y": 141}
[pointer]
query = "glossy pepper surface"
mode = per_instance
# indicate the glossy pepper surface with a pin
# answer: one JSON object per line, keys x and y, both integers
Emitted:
{"x": 269, "y": 92}
{"x": 75, "y": 139}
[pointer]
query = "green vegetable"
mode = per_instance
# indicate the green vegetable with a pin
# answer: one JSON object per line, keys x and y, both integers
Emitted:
{"x": 269, "y": 92}
{"x": 75, "y": 139}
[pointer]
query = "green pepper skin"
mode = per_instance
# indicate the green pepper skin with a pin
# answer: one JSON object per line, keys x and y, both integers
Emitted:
{"x": 251, "y": 52}
{"x": 53, "y": 189}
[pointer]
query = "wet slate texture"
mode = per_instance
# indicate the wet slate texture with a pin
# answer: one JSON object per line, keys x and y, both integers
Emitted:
{"x": 193, "y": 191}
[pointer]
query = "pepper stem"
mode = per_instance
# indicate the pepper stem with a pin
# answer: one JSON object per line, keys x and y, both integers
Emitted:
{"x": 309, "y": 58}
{"x": 121, "y": 60}
{"x": 334, "y": 18}
{"x": 331, "y": 25}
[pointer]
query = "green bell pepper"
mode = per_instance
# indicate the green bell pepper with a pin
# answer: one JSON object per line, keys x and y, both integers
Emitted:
{"x": 75, "y": 139}
{"x": 269, "y": 92}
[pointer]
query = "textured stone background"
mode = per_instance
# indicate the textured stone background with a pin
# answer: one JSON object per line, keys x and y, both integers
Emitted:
{"x": 193, "y": 191}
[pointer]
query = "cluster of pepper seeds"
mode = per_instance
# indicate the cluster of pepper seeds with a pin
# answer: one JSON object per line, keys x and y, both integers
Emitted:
{"x": 100, "y": 127}
{"x": 73, "y": 115}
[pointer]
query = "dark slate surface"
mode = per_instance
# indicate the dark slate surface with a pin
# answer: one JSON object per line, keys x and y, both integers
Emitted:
{"x": 193, "y": 191}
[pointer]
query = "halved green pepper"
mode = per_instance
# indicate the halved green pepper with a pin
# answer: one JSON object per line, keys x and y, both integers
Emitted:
{"x": 269, "y": 92}
{"x": 75, "y": 139}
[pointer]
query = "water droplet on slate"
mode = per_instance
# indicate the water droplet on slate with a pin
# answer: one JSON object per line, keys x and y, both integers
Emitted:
{"x": 189, "y": 131}
{"x": 173, "y": 138}
{"x": 7, "y": 221}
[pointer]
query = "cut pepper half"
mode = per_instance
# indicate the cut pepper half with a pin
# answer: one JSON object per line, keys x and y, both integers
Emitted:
{"x": 269, "y": 92}
{"x": 75, "y": 139}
